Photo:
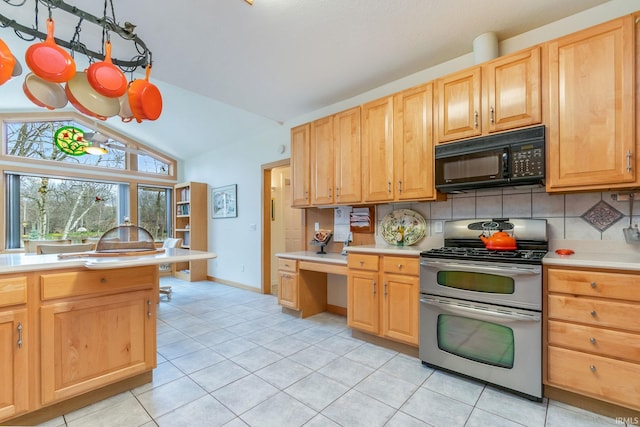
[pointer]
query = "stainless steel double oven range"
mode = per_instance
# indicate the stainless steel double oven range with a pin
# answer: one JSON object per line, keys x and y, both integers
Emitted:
{"x": 480, "y": 310}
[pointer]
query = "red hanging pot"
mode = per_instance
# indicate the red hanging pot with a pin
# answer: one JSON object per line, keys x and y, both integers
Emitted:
{"x": 49, "y": 61}
{"x": 7, "y": 62}
{"x": 145, "y": 99}
{"x": 107, "y": 79}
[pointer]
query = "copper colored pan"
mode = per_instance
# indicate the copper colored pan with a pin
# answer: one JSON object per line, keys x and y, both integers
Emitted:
{"x": 7, "y": 62}
{"x": 145, "y": 99}
{"x": 107, "y": 79}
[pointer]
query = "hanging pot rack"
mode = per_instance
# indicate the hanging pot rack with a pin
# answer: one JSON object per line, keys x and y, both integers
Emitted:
{"x": 106, "y": 23}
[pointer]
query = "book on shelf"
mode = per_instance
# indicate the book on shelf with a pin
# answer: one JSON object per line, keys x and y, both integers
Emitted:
{"x": 186, "y": 238}
{"x": 182, "y": 209}
{"x": 184, "y": 194}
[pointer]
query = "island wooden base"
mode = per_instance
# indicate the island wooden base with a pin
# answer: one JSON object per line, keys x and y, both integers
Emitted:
{"x": 58, "y": 409}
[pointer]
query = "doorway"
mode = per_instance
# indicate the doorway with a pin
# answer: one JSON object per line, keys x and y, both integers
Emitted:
{"x": 282, "y": 225}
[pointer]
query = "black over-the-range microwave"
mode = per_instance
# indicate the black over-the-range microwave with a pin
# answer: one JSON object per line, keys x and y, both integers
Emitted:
{"x": 509, "y": 158}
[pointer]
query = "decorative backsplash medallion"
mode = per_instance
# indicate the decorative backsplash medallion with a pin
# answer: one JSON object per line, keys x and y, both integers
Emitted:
{"x": 602, "y": 215}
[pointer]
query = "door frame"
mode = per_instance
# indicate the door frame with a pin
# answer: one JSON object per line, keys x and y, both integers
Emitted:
{"x": 265, "y": 246}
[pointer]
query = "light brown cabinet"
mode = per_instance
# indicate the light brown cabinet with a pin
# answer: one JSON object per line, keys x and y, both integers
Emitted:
{"x": 14, "y": 357}
{"x": 288, "y": 283}
{"x": 591, "y": 141}
{"x": 300, "y": 174}
{"x": 383, "y": 296}
{"x": 593, "y": 334}
{"x": 501, "y": 94}
{"x": 335, "y": 159}
{"x": 397, "y": 136}
{"x": 190, "y": 224}
{"x": 97, "y": 327}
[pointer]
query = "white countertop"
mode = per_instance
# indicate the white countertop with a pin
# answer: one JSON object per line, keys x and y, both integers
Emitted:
{"x": 329, "y": 258}
{"x": 595, "y": 254}
{"x": 20, "y": 262}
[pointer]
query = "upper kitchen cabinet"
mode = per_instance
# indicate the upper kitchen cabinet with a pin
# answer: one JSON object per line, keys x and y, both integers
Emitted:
{"x": 413, "y": 143}
{"x": 335, "y": 151}
{"x": 377, "y": 150}
{"x": 591, "y": 143}
{"x": 300, "y": 178}
{"x": 501, "y": 94}
{"x": 397, "y": 147}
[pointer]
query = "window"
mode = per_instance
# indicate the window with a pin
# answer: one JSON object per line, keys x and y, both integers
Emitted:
{"x": 48, "y": 208}
{"x": 154, "y": 214}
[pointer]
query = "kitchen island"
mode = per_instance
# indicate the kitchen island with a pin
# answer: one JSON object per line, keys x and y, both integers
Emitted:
{"x": 76, "y": 330}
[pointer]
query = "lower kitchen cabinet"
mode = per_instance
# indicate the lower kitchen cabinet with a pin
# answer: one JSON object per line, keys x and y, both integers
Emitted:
{"x": 288, "y": 284}
{"x": 384, "y": 301}
{"x": 593, "y": 334}
{"x": 14, "y": 357}
{"x": 93, "y": 342}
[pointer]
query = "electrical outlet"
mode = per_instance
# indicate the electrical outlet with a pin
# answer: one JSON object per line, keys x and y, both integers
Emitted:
{"x": 316, "y": 226}
{"x": 438, "y": 226}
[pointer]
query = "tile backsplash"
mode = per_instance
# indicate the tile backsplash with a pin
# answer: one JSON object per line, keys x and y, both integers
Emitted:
{"x": 581, "y": 216}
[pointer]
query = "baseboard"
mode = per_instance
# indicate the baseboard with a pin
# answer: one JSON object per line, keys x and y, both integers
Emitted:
{"x": 336, "y": 309}
{"x": 234, "y": 284}
{"x": 386, "y": 343}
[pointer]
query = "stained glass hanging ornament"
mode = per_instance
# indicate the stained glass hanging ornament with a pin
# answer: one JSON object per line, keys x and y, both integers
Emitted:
{"x": 70, "y": 140}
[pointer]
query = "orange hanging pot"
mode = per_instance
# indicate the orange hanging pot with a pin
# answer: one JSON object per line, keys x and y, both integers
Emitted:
{"x": 49, "y": 61}
{"x": 7, "y": 62}
{"x": 107, "y": 79}
{"x": 145, "y": 99}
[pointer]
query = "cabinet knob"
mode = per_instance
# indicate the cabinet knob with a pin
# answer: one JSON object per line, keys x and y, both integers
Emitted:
{"x": 593, "y": 284}
{"x": 103, "y": 280}
{"x": 399, "y": 266}
{"x": 593, "y": 313}
{"x": 592, "y": 368}
{"x": 592, "y": 340}
{"x": 361, "y": 263}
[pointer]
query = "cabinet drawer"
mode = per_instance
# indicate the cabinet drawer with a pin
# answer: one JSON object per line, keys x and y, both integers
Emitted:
{"x": 13, "y": 290}
{"x": 363, "y": 262}
{"x": 596, "y": 284}
{"x": 595, "y": 311}
{"x": 75, "y": 283}
{"x": 606, "y": 379}
{"x": 401, "y": 265}
{"x": 605, "y": 342}
{"x": 287, "y": 264}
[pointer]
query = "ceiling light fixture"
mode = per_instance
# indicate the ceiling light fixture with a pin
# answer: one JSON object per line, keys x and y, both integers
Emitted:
{"x": 250, "y": 2}
{"x": 96, "y": 150}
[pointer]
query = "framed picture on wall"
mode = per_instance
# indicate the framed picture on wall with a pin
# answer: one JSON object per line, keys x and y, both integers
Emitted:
{"x": 224, "y": 202}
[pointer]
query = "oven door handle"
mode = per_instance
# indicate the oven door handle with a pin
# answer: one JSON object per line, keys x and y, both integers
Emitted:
{"x": 502, "y": 270}
{"x": 459, "y": 309}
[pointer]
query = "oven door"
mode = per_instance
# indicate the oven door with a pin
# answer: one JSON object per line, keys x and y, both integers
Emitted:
{"x": 498, "y": 345}
{"x": 514, "y": 285}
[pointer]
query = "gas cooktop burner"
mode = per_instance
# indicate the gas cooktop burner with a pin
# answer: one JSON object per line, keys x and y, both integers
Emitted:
{"x": 521, "y": 256}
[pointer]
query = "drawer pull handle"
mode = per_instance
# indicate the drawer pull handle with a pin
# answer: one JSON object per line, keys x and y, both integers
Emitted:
{"x": 361, "y": 263}
{"x": 103, "y": 280}
{"x": 399, "y": 266}
{"x": 385, "y": 289}
{"x": 592, "y": 368}
{"x": 593, "y": 313}
{"x": 374, "y": 288}
{"x": 19, "y": 334}
{"x": 593, "y": 285}
{"x": 149, "y": 308}
{"x": 592, "y": 340}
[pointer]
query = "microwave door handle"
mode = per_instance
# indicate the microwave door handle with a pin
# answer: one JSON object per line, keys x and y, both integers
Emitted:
{"x": 473, "y": 268}
{"x": 483, "y": 314}
{"x": 506, "y": 173}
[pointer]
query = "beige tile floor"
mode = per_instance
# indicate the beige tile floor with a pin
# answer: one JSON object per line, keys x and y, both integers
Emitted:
{"x": 230, "y": 357}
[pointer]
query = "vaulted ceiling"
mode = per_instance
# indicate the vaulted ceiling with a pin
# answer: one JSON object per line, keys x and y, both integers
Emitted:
{"x": 279, "y": 59}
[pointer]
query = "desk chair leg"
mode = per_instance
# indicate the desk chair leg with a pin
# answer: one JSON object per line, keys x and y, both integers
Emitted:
{"x": 166, "y": 290}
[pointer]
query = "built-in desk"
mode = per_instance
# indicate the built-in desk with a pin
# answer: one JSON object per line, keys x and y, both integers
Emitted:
{"x": 302, "y": 280}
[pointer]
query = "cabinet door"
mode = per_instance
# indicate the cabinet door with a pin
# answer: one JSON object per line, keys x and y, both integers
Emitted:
{"x": 591, "y": 104}
{"x": 93, "y": 342}
{"x": 400, "y": 308}
{"x": 288, "y": 289}
{"x": 513, "y": 89}
{"x": 14, "y": 371}
{"x": 413, "y": 143}
{"x": 322, "y": 163}
{"x": 377, "y": 150}
{"x": 348, "y": 156}
{"x": 300, "y": 166}
{"x": 362, "y": 301}
{"x": 459, "y": 105}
